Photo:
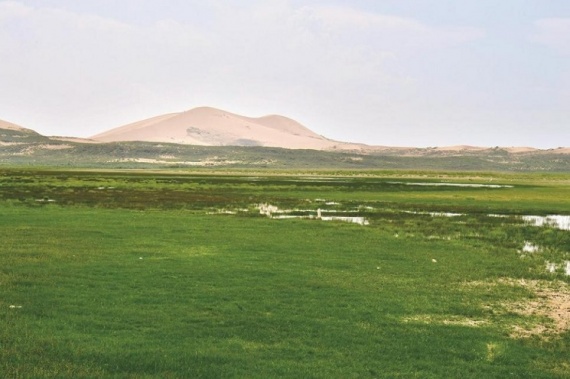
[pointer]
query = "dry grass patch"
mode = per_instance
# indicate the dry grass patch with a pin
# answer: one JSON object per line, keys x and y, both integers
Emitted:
{"x": 547, "y": 310}
{"x": 551, "y": 301}
{"x": 444, "y": 320}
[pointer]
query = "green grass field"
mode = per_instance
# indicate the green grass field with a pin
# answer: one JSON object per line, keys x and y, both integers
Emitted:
{"x": 137, "y": 274}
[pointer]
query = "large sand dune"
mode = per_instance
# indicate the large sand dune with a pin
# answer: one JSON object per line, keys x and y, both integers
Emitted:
{"x": 208, "y": 126}
{"x": 215, "y": 127}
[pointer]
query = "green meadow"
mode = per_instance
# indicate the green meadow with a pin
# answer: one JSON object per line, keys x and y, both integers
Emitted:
{"x": 178, "y": 274}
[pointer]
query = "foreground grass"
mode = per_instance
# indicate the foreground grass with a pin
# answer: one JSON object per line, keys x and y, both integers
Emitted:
{"x": 88, "y": 291}
{"x": 125, "y": 293}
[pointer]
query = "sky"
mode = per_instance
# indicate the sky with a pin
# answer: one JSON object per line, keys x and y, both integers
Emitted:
{"x": 418, "y": 73}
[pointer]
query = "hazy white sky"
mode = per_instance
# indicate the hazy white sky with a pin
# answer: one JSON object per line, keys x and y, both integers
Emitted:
{"x": 384, "y": 72}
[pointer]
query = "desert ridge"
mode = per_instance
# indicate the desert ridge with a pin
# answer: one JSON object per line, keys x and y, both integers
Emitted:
{"x": 10, "y": 126}
{"x": 208, "y": 126}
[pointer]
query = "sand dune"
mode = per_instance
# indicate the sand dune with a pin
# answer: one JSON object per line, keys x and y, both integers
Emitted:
{"x": 208, "y": 126}
{"x": 562, "y": 150}
{"x": 466, "y": 148}
{"x": 10, "y": 126}
{"x": 520, "y": 149}
{"x": 214, "y": 127}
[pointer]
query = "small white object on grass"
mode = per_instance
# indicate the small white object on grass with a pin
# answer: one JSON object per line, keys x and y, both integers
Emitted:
{"x": 434, "y": 261}
{"x": 550, "y": 267}
{"x": 529, "y": 247}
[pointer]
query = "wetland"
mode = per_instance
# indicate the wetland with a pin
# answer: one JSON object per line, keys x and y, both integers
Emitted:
{"x": 182, "y": 273}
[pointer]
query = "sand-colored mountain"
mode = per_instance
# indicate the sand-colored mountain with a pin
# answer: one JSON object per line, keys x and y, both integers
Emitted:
{"x": 11, "y": 126}
{"x": 214, "y": 127}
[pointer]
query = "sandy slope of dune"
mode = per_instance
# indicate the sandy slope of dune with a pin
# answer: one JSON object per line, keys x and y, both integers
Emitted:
{"x": 215, "y": 127}
{"x": 460, "y": 148}
{"x": 11, "y": 126}
{"x": 520, "y": 149}
{"x": 72, "y": 139}
{"x": 558, "y": 150}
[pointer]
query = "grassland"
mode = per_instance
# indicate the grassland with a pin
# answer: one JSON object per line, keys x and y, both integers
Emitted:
{"x": 139, "y": 274}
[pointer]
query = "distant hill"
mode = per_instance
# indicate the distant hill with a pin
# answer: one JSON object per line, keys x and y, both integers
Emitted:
{"x": 24, "y": 147}
{"x": 207, "y": 126}
{"x": 10, "y": 126}
{"x": 12, "y": 134}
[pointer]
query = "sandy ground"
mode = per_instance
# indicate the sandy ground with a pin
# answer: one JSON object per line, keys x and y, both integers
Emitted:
{"x": 215, "y": 127}
{"x": 73, "y": 139}
{"x": 550, "y": 301}
{"x": 10, "y": 126}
